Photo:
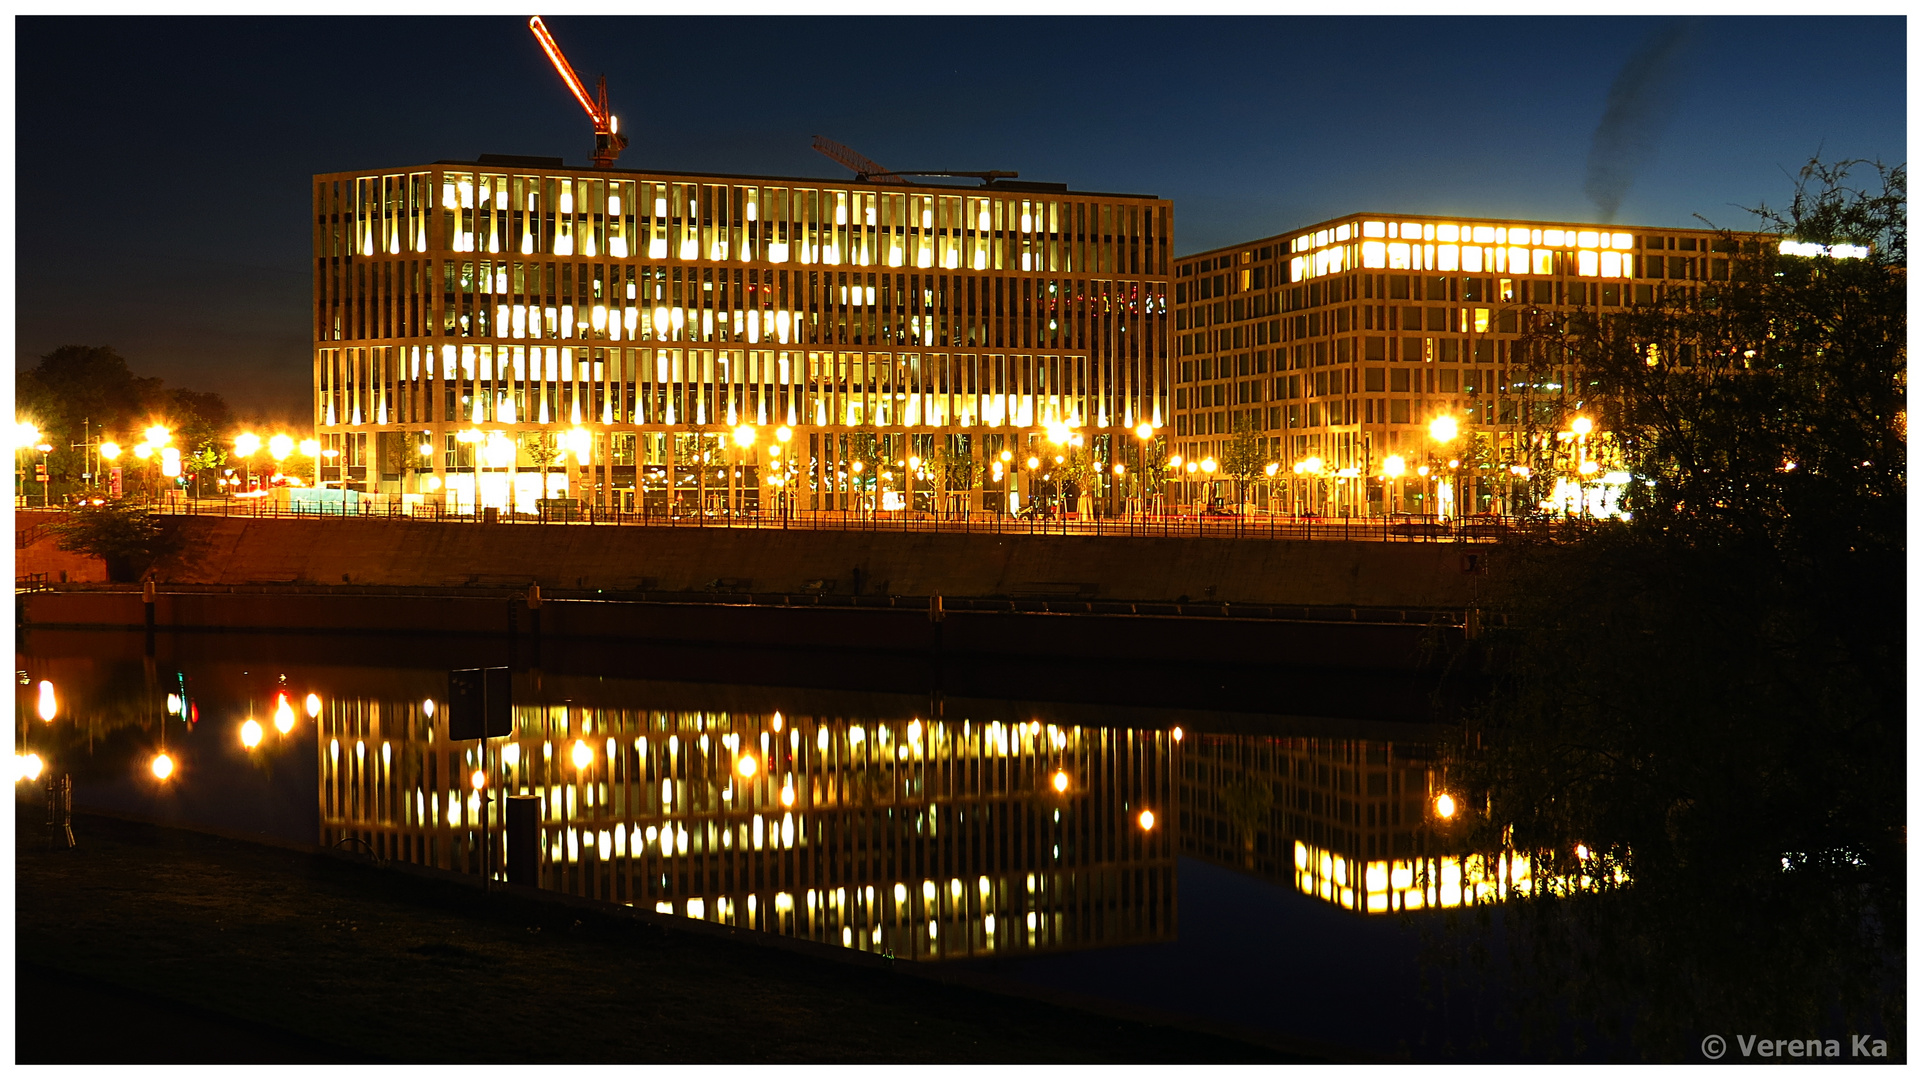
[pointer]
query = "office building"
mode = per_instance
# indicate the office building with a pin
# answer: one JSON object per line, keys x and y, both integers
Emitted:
{"x": 506, "y": 330}
{"x": 1338, "y": 346}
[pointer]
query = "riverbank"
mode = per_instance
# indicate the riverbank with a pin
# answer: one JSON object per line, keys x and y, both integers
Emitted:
{"x": 225, "y": 951}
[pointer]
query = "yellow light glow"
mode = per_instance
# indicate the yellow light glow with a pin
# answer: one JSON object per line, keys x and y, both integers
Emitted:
{"x": 1312, "y": 465}
{"x": 27, "y": 766}
{"x": 1174, "y": 461}
{"x": 1588, "y": 468}
{"x": 1443, "y": 429}
{"x": 479, "y": 779}
{"x": 169, "y": 461}
{"x": 746, "y": 766}
{"x": 48, "y": 706}
{"x": 280, "y": 446}
{"x": 1208, "y": 465}
{"x": 313, "y": 705}
{"x": 1147, "y": 820}
{"x": 1177, "y": 734}
{"x": 24, "y": 434}
{"x": 250, "y": 733}
{"x": 787, "y": 794}
{"x": 143, "y": 451}
{"x": 1034, "y": 463}
{"x": 158, "y": 436}
{"x": 110, "y": 451}
{"x": 783, "y": 433}
{"x": 583, "y": 754}
{"x": 247, "y": 444}
{"x": 1145, "y": 432}
{"x": 283, "y": 716}
{"x": 1060, "y": 781}
{"x": 163, "y": 766}
{"x": 1393, "y": 466}
{"x": 311, "y": 448}
{"x": 1581, "y": 425}
{"x": 744, "y": 436}
{"x": 427, "y": 707}
{"x": 1057, "y": 432}
{"x": 1271, "y": 468}
{"x": 1444, "y": 806}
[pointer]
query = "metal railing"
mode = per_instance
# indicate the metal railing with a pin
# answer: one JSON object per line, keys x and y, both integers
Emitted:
{"x": 1257, "y": 526}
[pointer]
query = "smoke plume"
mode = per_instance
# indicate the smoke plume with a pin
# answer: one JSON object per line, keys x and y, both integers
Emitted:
{"x": 1641, "y": 103}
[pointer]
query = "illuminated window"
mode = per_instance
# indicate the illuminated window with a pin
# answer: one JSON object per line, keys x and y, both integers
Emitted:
{"x": 1374, "y": 255}
{"x": 1448, "y": 233}
{"x": 1484, "y": 234}
{"x": 1544, "y": 261}
{"x": 1587, "y": 264}
{"x": 1588, "y": 239}
{"x": 1374, "y": 228}
{"x": 1398, "y": 257}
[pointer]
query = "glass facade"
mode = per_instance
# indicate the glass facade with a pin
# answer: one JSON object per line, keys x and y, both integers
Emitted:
{"x": 1337, "y": 345}
{"x": 494, "y": 333}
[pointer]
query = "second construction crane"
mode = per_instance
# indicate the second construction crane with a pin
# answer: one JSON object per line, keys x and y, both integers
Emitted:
{"x": 872, "y": 172}
{"x": 608, "y": 140}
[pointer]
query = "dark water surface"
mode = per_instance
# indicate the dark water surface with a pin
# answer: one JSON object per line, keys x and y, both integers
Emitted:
{"x": 1194, "y": 856}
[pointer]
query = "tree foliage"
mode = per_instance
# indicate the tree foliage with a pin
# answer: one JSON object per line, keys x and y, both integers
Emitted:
{"x": 1710, "y": 696}
{"x": 1244, "y": 457}
{"x": 127, "y": 536}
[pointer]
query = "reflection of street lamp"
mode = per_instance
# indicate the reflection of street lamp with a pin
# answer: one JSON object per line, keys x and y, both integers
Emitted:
{"x": 744, "y": 438}
{"x": 46, "y": 478}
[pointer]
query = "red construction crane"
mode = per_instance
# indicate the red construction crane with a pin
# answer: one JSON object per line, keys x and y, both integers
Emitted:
{"x": 608, "y": 140}
{"x": 870, "y": 171}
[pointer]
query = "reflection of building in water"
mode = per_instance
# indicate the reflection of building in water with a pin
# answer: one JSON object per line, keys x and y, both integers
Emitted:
{"x": 920, "y": 839}
{"x": 1347, "y": 820}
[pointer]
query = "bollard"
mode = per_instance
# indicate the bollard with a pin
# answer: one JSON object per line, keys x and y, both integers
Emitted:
{"x": 524, "y": 840}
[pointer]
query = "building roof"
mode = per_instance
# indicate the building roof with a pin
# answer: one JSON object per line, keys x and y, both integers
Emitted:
{"x": 553, "y": 164}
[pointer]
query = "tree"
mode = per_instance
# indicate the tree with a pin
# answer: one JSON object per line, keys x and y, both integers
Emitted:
{"x": 1244, "y": 457}
{"x": 127, "y": 536}
{"x": 1709, "y": 696}
{"x": 864, "y": 450}
{"x": 953, "y": 467}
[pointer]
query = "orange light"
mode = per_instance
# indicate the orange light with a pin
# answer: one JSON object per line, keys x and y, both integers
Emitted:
{"x": 746, "y": 767}
{"x": 1177, "y": 734}
{"x": 163, "y": 766}
{"x": 1060, "y": 781}
{"x": 479, "y": 779}
{"x": 1444, "y": 806}
{"x": 250, "y": 733}
{"x": 1147, "y": 820}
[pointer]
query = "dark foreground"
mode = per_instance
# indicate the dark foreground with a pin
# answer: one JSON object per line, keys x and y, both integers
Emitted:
{"x": 147, "y": 944}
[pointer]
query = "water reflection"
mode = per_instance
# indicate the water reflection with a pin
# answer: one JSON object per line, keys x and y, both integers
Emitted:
{"x": 917, "y": 837}
{"x": 990, "y": 829}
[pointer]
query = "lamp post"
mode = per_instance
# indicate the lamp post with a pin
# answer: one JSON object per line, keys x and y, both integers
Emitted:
{"x": 1392, "y": 468}
{"x": 246, "y": 445}
{"x": 311, "y": 448}
{"x": 1146, "y": 433}
{"x": 1443, "y": 429}
{"x": 782, "y": 435}
{"x": 1208, "y": 468}
{"x": 744, "y": 439}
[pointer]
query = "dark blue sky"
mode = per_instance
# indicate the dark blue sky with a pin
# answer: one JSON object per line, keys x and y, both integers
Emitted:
{"x": 163, "y": 163}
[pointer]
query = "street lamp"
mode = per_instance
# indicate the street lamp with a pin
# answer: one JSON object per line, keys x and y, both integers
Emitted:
{"x": 1208, "y": 467}
{"x": 744, "y": 439}
{"x": 46, "y": 478}
{"x": 1443, "y": 430}
{"x": 1392, "y": 468}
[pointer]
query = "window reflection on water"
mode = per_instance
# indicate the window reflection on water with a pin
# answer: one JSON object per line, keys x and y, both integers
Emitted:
{"x": 923, "y": 838}
{"x": 917, "y": 837}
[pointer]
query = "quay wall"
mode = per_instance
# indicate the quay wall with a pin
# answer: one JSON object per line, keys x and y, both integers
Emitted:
{"x": 406, "y": 553}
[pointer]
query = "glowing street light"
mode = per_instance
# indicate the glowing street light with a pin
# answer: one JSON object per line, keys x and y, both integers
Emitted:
{"x": 313, "y": 706}
{"x": 1147, "y": 820}
{"x": 746, "y": 767}
{"x": 250, "y": 733}
{"x": 583, "y": 754}
{"x": 27, "y": 766}
{"x": 1393, "y": 466}
{"x": 110, "y": 451}
{"x": 1443, "y": 429}
{"x": 283, "y": 716}
{"x": 1581, "y": 425}
{"x": 744, "y": 436}
{"x": 1145, "y": 432}
{"x": 163, "y": 766}
{"x": 1444, "y": 806}
{"x": 1061, "y": 781}
{"x": 280, "y": 446}
{"x": 158, "y": 436}
{"x": 25, "y": 434}
{"x": 247, "y": 444}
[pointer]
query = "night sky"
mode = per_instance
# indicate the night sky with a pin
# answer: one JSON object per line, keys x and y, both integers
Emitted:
{"x": 163, "y": 164}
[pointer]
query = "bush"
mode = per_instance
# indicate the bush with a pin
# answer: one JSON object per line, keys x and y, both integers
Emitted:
{"x": 128, "y": 537}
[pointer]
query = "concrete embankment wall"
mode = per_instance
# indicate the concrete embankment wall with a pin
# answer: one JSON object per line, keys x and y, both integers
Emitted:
{"x": 239, "y": 551}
